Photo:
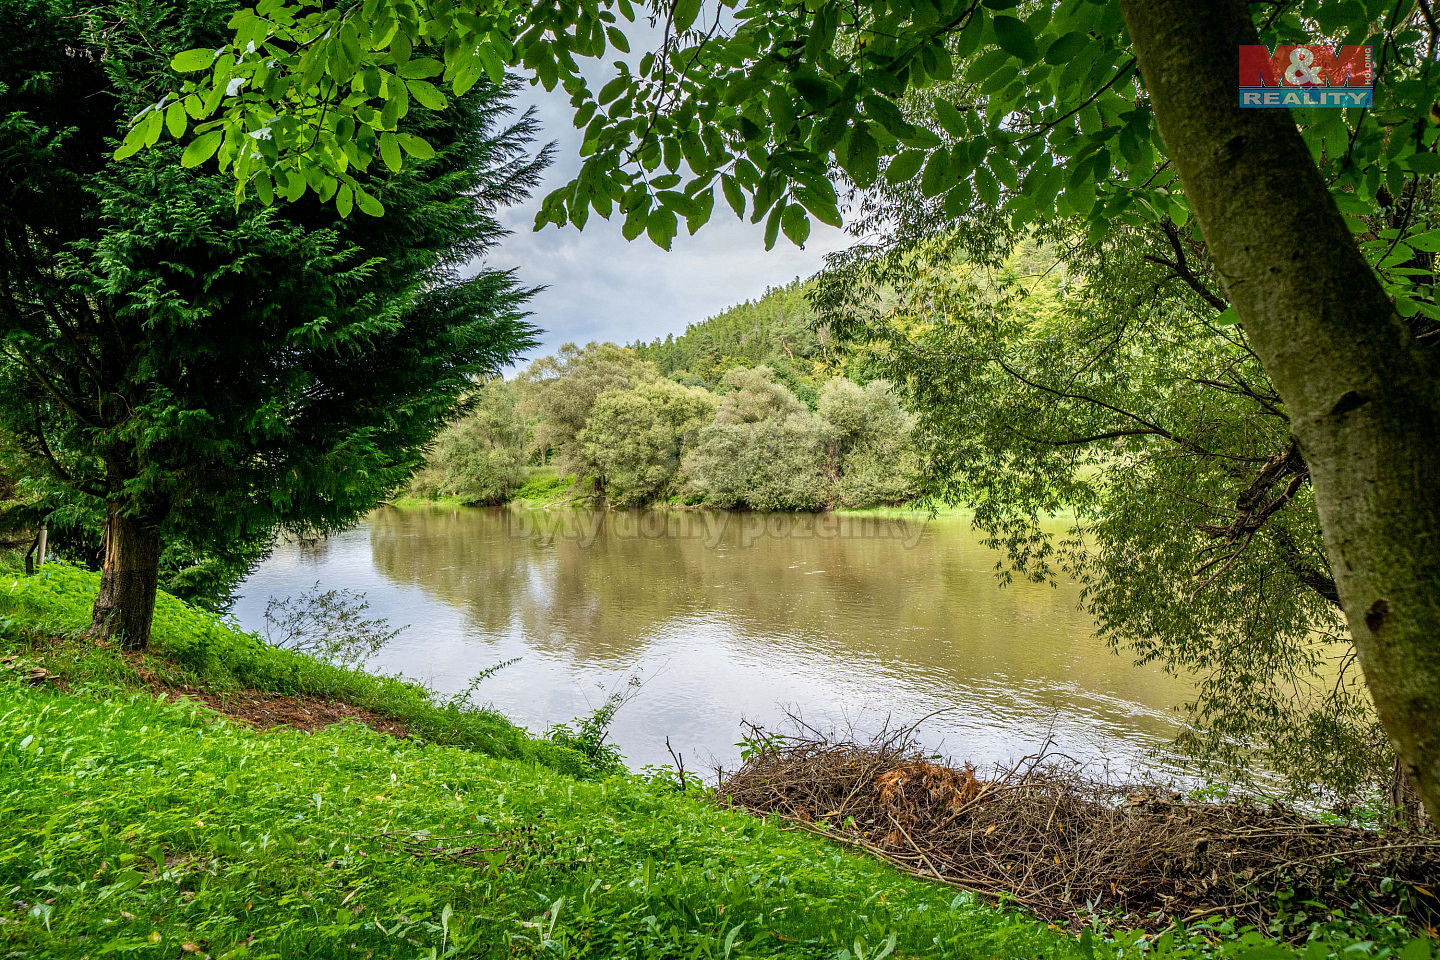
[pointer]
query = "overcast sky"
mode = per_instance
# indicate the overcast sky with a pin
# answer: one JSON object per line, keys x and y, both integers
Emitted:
{"x": 601, "y": 287}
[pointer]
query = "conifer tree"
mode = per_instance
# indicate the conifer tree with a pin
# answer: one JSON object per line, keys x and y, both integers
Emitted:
{"x": 206, "y": 373}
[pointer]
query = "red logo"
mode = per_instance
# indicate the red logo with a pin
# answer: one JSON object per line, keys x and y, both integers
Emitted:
{"x": 1311, "y": 65}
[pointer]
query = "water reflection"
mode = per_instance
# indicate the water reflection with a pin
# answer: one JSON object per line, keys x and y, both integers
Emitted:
{"x": 846, "y": 620}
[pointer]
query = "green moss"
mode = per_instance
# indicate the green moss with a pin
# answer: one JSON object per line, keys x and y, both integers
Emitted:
{"x": 427, "y": 503}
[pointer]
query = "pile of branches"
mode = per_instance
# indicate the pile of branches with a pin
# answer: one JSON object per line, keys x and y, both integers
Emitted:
{"x": 1042, "y": 835}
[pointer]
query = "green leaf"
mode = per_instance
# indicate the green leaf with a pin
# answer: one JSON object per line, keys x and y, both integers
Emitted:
{"x": 490, "y": 60}
{"x": 344, "y": 200}
{"x": 950, "y": 118}
{"x": 937, "y": 178}
{"x": 1064, "y": 49}
{"x": 661, "y": 225}
{"x": 904, "y": 166}
{"x": 190, "y": 61}
{"x": 985, "y": 186}
{"x": 685, "y": 13}
{"x": 772, "y": 225}
{"x": 368, "y": 204}
{"x": 426, "y": 94}
{"x": 1427, "y": 242}
{"x": 1227, "y": 318}
{"x": 202, "y": 148}
{"x": 390, "y": 151}
{"x": 1015, "y": 38}
{"x": 796, "y": 224}
{"x": 1423, "y": 163}
{"x": 421, "y": 69}
{"x": 887, "y": 114}
{"x": 733, "y": 194}
{"x": 782, "y": 111}
{"x": 415, "y": 146}
{"x": 176, "y": 120}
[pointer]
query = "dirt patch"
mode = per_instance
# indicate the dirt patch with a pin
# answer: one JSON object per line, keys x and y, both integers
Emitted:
{"x": 265, "y": 710}
{"x": 1068, "y": 848}
{"x": 253, "y": 707}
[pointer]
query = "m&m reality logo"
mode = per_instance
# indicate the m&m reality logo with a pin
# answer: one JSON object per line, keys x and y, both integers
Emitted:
{"x": 1312, "y": 75}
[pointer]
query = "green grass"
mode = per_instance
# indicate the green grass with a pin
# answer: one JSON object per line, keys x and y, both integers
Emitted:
{"x": 426, "y": 503}
{"x": 144, "y": 825}
{"x": 544, "y": 487}
{"x": 135, "y": 826}
{"x": 907, "y": 512}
{"x": 41, "y": 617}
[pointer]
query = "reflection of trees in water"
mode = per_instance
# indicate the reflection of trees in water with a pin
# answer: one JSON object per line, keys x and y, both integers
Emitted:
{"x": 597, "y": 586}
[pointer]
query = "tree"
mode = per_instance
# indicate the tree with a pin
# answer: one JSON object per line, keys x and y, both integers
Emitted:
{"x": 635, "y": 438}
{"x": 206, "y": 373}
{"x": 869, "y": 458}
{"x": 1101, "y": 384}
{"x": 764, "y": 450}
{"x": 1058, "y": 121}
{"x": 561, "y": 391}
{"x": 479, "y": 458}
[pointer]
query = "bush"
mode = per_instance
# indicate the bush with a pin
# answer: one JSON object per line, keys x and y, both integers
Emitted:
{"x": 871, "y": 457}
{"x": 764, "y": 450}
{"x": 480, "y": 457}
{"x": 635, "y": 438}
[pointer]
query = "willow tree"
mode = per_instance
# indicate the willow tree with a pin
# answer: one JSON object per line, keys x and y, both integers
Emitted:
{"x": 208, "y": 372}
{"x": 1111, "y": 111}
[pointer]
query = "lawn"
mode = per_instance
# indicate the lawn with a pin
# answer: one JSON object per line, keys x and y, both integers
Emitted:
{"x": 146, "y": 825}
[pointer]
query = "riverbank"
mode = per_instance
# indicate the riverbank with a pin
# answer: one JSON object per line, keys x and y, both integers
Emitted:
{"x": 144, "y": 820}
{"x": 545, "y": 490}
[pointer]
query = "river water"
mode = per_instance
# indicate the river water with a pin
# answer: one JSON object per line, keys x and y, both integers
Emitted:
{"x": 846, "y": 622}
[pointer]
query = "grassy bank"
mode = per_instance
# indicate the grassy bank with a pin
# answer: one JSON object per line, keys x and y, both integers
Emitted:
{"x": 150, "y": 826}
{"x": 193, "y": 650}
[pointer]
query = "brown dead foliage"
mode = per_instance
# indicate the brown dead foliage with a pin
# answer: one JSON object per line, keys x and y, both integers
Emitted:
{"x": 1070, "y": 848}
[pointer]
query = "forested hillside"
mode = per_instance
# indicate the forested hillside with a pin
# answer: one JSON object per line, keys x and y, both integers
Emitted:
{"x": 778, "y": 329}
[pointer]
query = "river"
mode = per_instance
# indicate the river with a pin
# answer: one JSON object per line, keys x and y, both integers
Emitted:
{"x": 845, "y": 621}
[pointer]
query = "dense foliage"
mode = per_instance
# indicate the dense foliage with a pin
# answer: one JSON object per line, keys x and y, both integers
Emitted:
{"x": 630, "y": 437}
{"x": 195, "y": 374}
{"x": 1104, "y": 383}
{"x": 1047, "y": 109}
{"x": 481, "y": 457}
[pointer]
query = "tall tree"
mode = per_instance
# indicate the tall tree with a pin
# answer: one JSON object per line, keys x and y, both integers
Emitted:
{"x": 760, "y": 102}
{"x": 634, "y": 439}
{"x": 560, "y": 392}
{"x": 207, "y": 372}
{"x": 764, "y": 449}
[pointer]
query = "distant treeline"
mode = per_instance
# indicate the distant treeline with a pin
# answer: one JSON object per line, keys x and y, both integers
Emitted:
{"x": 630, "y": 435}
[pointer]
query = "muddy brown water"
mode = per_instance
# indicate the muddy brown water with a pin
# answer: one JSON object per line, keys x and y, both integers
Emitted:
{"x": 845, "y": 621}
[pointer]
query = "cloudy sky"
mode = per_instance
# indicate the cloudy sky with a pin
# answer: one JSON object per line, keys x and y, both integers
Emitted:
{"x": 601, "y": 287}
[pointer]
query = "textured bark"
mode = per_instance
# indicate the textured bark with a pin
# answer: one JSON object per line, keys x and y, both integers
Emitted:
{"x": 1360, "y": 393}
{"x": 125, "y": 606}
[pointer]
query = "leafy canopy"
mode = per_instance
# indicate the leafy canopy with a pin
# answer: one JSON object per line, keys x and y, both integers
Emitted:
{"x": 1040, "y": 108}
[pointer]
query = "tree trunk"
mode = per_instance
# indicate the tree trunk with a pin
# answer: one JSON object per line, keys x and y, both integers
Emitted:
{"x": 1360, "y": 394}
{"x": 125, "y": 605}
